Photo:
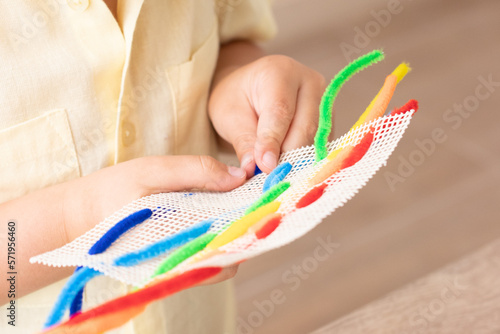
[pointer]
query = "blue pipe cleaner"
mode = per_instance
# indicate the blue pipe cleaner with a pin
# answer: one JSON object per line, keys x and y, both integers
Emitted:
{"x": 116, "y": 231}
{"x": 105, "y": 242}
{"x": 257, "y": 171}
{"x": 72, "y": 287}
{"x": 164, "y": 245}
{"x": 277, "y": 175}
{"x": 76, "y": 304}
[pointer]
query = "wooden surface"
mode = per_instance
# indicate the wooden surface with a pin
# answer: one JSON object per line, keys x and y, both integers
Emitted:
{"x": 461, "y": 298}
{"x": 446, "y": 208}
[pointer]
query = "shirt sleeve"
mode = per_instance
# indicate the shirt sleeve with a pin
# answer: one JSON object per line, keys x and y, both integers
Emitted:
{"x": 245, "y": 19}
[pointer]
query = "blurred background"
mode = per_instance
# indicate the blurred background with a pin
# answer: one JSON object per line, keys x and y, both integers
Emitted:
{"x": 436, "y": 201}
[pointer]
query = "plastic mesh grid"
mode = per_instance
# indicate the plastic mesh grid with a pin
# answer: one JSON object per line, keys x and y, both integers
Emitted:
{"x": 175, "y": 211}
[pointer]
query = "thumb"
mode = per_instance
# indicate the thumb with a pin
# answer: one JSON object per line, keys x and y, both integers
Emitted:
{"x": 178, "y": 173}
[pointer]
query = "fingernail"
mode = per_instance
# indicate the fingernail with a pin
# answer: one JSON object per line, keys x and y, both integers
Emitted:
{"x": 247, "y": 158}
{"x": 269, "y": 160}
{"x": 237, "y": 172}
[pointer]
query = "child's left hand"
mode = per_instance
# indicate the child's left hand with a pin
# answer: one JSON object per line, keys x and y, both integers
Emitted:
{"x": 265, "y": 107}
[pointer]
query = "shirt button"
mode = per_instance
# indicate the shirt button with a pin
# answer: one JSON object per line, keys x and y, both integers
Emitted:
{"x": 79, "y": 5}
{"x": 128, "y": 133}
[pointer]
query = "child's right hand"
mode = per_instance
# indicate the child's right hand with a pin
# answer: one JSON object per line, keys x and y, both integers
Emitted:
{"x": 54, "y": 216}
{"x": 107, "y": 190}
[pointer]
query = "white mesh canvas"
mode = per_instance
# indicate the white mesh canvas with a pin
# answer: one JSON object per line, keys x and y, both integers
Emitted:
{"x": 175, "y": 211}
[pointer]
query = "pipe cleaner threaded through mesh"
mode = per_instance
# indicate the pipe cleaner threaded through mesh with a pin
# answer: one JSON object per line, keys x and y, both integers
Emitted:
{"x": 326, "y": 105}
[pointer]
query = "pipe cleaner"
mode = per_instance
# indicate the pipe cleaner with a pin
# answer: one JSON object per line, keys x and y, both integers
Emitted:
{"x": 384, "y": 98}
{"x": 120, "y": 228}
{"x": 157, "y": 289}
{"x": 359, "y": 151}
{"x": 261, "y": 218}
{"x": 399, "y": 73}
{"x": 311, "y": 196}
{"x": 410, "y": 105}
{"x": 331, "y": 167}
{"x": 267, "y": 225}
{"x": 183, "y": 253}
{"x": 261, "y": 223}
{"x": 75, "y": 283}
{"x": 105, "y": 241}
{"x": 262, "y": 228}
{"x": 269, "y": 196}
{"x": 76, "y": 304}
{"x": 277, "y": 175}
{"x": 98, "y": 325}
{"x": 133, "y": 301}
{"x": 240, "y": 226}
{"x": 346, "y": 157}
{"x": 326, "y": 105}
{"x": 257, "y": 171}
{"x": 164, "y": 245}
{"x": 379, "y": 106}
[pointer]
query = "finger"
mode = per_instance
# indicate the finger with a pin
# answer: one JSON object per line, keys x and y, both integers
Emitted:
{"x": 242, "y": 133}
{"x": 225, "y": 274}
{"x": 177, "y": 173}
{"x": 276, "y": 109}
{"x": 305, "y": 123}
{"x": 237, "y": 124}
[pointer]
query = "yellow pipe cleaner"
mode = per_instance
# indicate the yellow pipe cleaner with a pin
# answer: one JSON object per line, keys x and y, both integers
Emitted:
{"x": 240, "y": 226}
{"x": 332, "y": 166}
{"x": 400, "y": 72}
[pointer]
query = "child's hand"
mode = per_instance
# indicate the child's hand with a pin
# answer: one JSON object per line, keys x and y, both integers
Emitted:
{"x": 108, "y": 189}
{"x": 98, "y": 195}
{"x": 265, "y": 107}
{"x": 54, "y": 216}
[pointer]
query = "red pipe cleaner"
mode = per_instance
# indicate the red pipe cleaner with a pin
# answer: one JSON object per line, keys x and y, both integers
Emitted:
{"x": 359, "y": 150}
{"x": 269, "y": 227}
{"x": 311, "y": 196}
{"x": 146, "y": 295}
{"x": 412, "y": 104}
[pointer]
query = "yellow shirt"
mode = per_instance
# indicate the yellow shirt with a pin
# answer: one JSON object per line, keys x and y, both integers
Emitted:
{"x": 81, "y": 90}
